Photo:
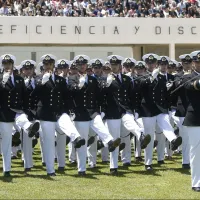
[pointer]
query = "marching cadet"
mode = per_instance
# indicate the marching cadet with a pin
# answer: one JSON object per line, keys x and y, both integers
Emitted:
{"x": 87, "y": 100}
{"x": 120, "y": 107}
{"x": 62, "y": 69}
{"x": 92, "y": 148}
{"x": 52, "y": 93}
{"x": 128, "y": 69}
{"x": 72, "y": 151}
{"x": 164, "y": 67}
{"x": 28, "y": 69}
{"x": 106, "y": 69}
{"x": 155, "y": 105}
{"x": 140, "y": 71}
{"x": 182, "y": 104}
{"x": 13, "y": 90}
{"x": 192, "y": 119}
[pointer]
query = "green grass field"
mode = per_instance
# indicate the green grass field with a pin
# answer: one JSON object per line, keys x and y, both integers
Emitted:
{"x": 165, "y": 182}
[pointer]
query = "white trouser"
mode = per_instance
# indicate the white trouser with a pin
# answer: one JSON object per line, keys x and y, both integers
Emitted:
{"x": 102, "y": 131}
{"x": 185, "y": 141}
{"x": 194, "y": 142}
{"x": 48, "y": 132}
{"x": 161, "y": 144}
{"x": 6, "y": 135}
{"x": 126, "y": 152}
{"x": 72, "y": 152}
{"x": 163, "y": 122}
{"x": 114, "y": 126}
{"x": 22, "y": 121}
{"x": 63, "y": 125}
{"x": 14, "y": 151}
{"x": 83, "y": 128}
{"x": 92, "y": 149}
{"x": 130, "y": 124}
{"x": 66, "y": 126}
{"x": 27, "y": 151}
{"x": 42, "y": 145}
{"x": 61, "y": 149}
{"x": 138, "y": 150}
{"x": 105, "y": 154}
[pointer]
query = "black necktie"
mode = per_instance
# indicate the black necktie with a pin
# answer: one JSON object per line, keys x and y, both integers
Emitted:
{"x": 9, "y": 82}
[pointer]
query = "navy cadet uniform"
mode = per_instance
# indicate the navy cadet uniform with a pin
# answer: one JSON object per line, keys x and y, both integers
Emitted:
{"x": 86, "y": 96}
{"x": 72, "y": 150}
{"x": 155, "y": 107}
{"x": 120, "y": 108}
{"x": 128, "y": 64}
{"x": 62, "y": 139}
{"x": 182, "y": 104}
{"x": 138, "y": 98}
{"x": 12, "y": 106}
{"x": 30, "y": 112}
{"x": 51, "y": 92}
{"x": 192, "y": 119}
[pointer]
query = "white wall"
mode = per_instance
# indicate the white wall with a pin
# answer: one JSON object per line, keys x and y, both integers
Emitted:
{"x": 61, "y": 30}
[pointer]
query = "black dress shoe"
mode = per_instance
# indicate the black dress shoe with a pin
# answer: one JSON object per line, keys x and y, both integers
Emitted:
{"x": 131, "y": 135}
{"x": 105, "y": 162}
{"x": 27, "y": 169}
{"x": 78, "y": 142}
{"x": 6, "y": 174}
{"x": 51, "y": 174}
{"x": 196, "y": 189}
{"x": 90, "y": 141}
{"x": 61, "y": 169}
{"x": 67, "y": 140}
{"x": 114, "y": 172}
{"x": 148, "y": 168}
{"x": 13, "y": 157}
{"x": 144, "y": 140}
{"x": 33, "y": 129}
{"x": 139, "y": 159}
{"x": 113, "y": 144}
{"x": 161, "y": 162}
{"x": 43, "y": 164}
{"x": 176, "y": 143}
{"x": 122, "y": 146}
{"x": 73, "y": 162}
{"x": 155, "y": 144}
{"x": 82, "y": 173}
{"x": 176, "y": 131}
{"x": 34, "y": 142}
{"x": 37, "y": 135}
{"x": 186, "y": 166}
{"x": 126, "y": 164}
{"x": 16, "y": 136}
{"x": 100, "y": 144}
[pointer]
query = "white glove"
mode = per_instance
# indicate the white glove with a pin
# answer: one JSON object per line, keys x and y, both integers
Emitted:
{"x": 81, "y": 82}
{"x": 72, "y": 116}
{"x": 45, "y": 78}
{"x": 102, "y": 115}
{"x": 61, "y": 74}
{"x": 155, "y": 73}
{"x": 109, "y": 80}
{"x": 169, "y": 85}
{"x": 136, "y": 116}
{"x": 6, "y": 77}
{"x": 26, "y": 81}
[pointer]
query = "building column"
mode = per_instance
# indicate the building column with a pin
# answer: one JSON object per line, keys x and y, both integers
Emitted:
{"x": 136, "y": 52}
{"x": 172, "y": 50}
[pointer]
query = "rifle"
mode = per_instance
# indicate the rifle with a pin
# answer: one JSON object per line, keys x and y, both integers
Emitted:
{"x": 180, "y": 86}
